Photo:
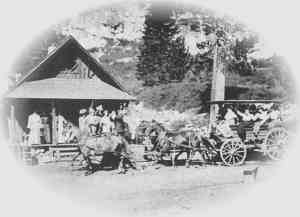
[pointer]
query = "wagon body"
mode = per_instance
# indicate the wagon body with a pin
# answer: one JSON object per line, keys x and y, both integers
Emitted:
{"x": 271, "y": 138}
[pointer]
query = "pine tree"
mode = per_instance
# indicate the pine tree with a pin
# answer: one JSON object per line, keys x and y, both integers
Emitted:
{"x": 180, "y": 60}
{"x": 162, "y": 58}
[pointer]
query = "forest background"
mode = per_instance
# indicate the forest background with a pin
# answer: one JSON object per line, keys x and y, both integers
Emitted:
{"x": 163, "y": 55}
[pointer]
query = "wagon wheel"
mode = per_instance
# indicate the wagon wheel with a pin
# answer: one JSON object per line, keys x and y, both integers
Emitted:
{"x": 233, "y": 152}
{"x": 275, "y": 143}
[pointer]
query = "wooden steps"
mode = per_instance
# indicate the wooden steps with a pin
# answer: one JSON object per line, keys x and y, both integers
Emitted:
{"x": 64, "y": 152}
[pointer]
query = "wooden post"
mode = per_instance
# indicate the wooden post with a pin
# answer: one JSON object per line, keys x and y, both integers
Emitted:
{"x": 11, "y": 124}
{"x": 92, "y": 103}
{"x": 12, "y": 128}
{"x": 14, "y": 140}
{"x": 218, "y": 85}
{"x": 54, "y": 125}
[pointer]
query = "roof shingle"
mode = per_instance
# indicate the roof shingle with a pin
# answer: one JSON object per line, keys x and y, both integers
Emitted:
{"x": 62, "y": 88}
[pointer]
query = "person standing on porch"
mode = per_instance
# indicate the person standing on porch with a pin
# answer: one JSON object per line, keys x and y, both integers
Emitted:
{"x": 92, "y": 121}
{"x": 99, "y": 110}
{"x": 82, "y": 120}
{"x": 45, "y": 129}
{"x": 34, "y": 124}
{"x": 99, "y": 115}
{"x": 61, "y": 128}
{"x": 106, "y": 123}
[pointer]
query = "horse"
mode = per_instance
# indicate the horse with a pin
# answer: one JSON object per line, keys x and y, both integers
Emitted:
{"x": 165, "y": 142}
{"x": 109, "y": 146}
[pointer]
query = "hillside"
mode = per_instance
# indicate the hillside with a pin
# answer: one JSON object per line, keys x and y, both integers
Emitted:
{"x": 113, "y": 35}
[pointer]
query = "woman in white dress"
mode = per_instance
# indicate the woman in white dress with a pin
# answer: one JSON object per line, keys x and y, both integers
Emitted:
{"x": 61, "y": 129}
{"x": 34, "y": 124}
{"x": 82, "y": 120}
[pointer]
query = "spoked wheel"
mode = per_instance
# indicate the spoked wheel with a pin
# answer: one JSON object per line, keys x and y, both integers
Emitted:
{"x": 233, "y": 152}
{"x": 276, "y": 142}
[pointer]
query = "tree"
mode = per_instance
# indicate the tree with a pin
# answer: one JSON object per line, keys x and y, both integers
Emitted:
{"x": 241, "y": 50}
{"x": 179, "y": 60}
{"x": 234, "y": 40}
{"x": 162, "y": 58}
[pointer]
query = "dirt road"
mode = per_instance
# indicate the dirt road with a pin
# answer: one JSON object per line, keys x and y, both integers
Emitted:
{"x": 154, "y": 190}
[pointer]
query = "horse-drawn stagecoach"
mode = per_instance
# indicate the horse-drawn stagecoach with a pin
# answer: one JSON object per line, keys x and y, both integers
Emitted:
{"x": 239, "y": 127}
{"x": 254, "y": 125}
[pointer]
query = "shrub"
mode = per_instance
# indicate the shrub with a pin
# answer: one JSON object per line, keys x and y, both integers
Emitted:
{"x": 179, "y": 96}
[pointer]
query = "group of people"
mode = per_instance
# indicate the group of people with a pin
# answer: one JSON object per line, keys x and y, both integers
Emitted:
{"x": 94, "y": 121}
{"x": 99, "y": 121}
{"x": 253, "y": 115}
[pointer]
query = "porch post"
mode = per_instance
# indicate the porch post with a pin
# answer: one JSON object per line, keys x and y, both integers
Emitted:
{"x": 12, "y": 128}
{"x": 92, "y": 103}
{"x": 54, "y": 127}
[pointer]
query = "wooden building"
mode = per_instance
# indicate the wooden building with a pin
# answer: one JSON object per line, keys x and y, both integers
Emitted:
{"x": 67, "y": 80}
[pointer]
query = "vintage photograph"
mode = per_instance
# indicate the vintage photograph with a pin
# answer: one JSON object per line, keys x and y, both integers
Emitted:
{"x": 151, "y": 106}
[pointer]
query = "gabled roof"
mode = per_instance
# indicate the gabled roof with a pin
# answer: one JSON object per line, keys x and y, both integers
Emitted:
{"x": 63, "y": 88}
{"x": 42, "y": 81}
{"x": 91, "y": 61}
